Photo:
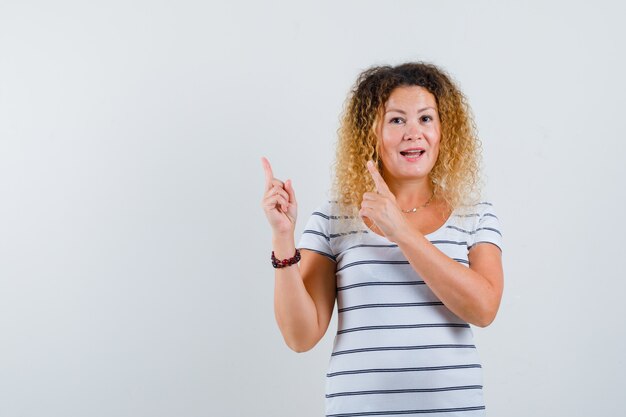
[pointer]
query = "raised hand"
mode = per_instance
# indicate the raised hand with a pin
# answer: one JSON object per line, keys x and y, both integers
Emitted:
{"x": 381, "y": 207}
{"x": 279, "y": 202}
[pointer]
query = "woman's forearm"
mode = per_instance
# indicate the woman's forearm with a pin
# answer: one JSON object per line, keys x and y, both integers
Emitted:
{"x": 463, "y": 291}
{"x": 294, "y": 308}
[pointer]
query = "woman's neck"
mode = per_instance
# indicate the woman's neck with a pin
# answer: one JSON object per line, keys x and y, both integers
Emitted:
{"x": 411, "y": 193}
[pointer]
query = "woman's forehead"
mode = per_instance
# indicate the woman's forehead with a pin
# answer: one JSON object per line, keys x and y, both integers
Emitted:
{"x": 410, "y": 96}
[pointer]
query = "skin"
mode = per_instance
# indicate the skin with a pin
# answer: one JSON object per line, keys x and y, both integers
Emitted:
{"x": 304, "y": 294}
{"x": 410, "y": 120}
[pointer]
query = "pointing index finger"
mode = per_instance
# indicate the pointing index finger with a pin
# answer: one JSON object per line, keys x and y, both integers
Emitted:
{"x": 269, "y": 175}
{"x": 381, "y": 185}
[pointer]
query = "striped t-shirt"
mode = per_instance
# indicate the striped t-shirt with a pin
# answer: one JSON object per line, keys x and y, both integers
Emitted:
{"x": 398, "y": 350}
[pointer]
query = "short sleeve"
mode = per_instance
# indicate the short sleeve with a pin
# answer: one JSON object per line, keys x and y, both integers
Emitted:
{"x": 316, "y": 234}
{"x": 487, "y": 227}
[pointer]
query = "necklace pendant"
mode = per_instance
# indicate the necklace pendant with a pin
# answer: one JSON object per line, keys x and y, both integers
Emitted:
{"x": 414, "y": 209}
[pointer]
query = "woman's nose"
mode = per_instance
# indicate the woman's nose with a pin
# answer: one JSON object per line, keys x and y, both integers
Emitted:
{"x": 412, "y": 131}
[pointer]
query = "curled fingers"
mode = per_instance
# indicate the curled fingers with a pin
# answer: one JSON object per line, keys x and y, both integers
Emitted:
{"x": 282, "y": 202}
{"x": 277, "y": 197}
{"x": 279, "y": 191}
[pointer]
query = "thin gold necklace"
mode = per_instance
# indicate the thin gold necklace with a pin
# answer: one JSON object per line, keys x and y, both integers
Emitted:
{"x": 414, "y": 209}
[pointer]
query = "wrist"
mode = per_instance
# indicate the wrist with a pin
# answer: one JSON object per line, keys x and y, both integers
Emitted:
{"x": 406, "y": 235}
{"x": 283, "y": 234}
{"x": 284, "y": 263}
{"x": 283, "y": 245}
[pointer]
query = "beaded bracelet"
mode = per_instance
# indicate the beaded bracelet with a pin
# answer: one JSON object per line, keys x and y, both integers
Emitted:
{"x": 277, "y": 263}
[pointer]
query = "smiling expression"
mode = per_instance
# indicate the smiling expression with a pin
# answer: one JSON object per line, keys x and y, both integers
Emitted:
{"x": 409, "y": 134}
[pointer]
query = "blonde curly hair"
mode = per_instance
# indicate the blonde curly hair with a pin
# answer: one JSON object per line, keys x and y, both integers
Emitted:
{"x": 455, "y": 176}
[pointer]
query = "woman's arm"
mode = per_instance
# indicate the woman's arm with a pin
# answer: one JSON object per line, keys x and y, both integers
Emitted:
{"x": 304, "y": 296}
{"x": 472, "y": 293}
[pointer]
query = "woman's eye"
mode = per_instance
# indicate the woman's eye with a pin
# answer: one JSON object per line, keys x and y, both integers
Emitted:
{"x": 396, "y": 120}
{"x": 427, "y": 119}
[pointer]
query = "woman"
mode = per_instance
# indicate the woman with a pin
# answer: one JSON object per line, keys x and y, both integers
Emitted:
{"x": 408, "y": 250}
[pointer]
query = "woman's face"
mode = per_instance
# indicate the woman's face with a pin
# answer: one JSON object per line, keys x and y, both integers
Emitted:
{"x": 409, "y": 134}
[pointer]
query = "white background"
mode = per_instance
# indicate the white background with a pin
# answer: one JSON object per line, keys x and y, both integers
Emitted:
{"x": 134, "y": 255}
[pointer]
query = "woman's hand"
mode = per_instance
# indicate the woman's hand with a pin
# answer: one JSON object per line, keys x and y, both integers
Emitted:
{"x": 279, "y": 202}
{"x": 381, "y": 207}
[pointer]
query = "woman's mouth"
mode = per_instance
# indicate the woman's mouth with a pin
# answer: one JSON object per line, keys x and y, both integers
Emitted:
{"x": 412, "y": 154}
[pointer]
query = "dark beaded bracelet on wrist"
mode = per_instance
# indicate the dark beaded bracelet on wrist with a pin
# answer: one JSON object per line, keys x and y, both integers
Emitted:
{"x": 278, "y": 263}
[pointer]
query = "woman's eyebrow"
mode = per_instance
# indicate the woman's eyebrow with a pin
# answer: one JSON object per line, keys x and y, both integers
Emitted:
{"x": 403, "y": 112}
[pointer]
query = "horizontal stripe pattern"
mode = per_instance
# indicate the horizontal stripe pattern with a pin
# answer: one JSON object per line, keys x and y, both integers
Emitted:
{"x": 449, "y": 242}
{"x": 402, "y": 326}
{"x": 390, "y": 305}
{"x": 417, "y": 369}
{"x": 403, "y": 391}
{"x": 315, "y": 232}
{"x": 372, "y": 262}
{"x": 407, "y": 412}
{"x": 396, "y": 342}
{"x": 472, "y": 232}
{"x": 387, "y": 348}
{"x": 348, "y": 233}
{"x": 328, "y": 255}
{"x": 364, "y": 284}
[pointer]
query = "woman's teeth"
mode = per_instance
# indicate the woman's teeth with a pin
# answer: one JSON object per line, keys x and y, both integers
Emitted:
{"x": 412, "y": 153}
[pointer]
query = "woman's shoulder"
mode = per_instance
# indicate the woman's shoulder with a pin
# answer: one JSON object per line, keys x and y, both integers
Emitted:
{"x": 334, "y": 219}
{"x": 486, "y": 208}
{"x": 470, "y": 216}
{"x": 475, "y": 209}
{"x": 331, "y": 210}
{"x": 483, "y": 224}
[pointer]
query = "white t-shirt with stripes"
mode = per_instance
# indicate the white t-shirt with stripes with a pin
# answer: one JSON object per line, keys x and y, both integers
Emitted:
{"x": 398, "y": 350}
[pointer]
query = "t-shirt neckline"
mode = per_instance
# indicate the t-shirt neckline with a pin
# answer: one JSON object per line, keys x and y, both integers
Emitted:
{"x": 442, "y": 227}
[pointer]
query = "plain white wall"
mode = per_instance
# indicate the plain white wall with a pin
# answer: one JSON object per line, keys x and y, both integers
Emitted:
{"x": 134, "y": 256}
